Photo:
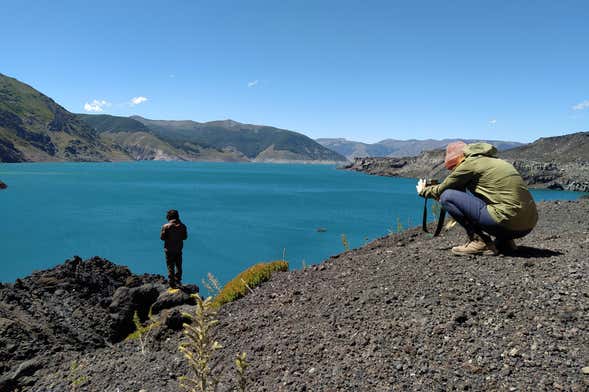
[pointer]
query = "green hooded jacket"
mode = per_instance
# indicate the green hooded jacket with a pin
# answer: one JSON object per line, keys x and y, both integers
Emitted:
{"x": 496, "y": 182}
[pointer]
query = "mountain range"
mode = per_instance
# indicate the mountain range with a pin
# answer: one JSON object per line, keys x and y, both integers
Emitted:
{"x": 398, "y": 148}
{"x": 33, "y": 127}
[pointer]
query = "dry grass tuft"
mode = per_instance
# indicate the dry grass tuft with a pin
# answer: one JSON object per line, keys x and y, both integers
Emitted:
{"x": 247, "y": 280}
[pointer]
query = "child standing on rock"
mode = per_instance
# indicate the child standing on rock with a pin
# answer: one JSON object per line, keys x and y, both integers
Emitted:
{"x": 173, "y": 234}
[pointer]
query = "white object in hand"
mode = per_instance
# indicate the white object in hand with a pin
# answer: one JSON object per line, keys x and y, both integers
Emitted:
{"x": 420, "y": 186}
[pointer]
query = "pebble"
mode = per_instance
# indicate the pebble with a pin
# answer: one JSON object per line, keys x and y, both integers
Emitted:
{"x": 585, "y": 370}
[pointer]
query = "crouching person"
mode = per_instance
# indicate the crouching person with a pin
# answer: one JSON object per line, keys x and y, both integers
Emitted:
{"x": 485, "y": 195}
{"x": 173, "y": 234}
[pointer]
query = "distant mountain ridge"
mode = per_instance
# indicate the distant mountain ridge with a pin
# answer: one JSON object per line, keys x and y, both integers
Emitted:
{"x": 226, "y": 140}
{"x": 398, "y": 148}
{"x": 253, "y": 142}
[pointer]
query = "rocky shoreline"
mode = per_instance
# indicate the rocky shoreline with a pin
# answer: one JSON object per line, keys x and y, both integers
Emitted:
{"x": 400, "y": 313}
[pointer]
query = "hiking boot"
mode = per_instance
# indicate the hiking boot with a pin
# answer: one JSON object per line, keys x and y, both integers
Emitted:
{"x": 475, "y": 247}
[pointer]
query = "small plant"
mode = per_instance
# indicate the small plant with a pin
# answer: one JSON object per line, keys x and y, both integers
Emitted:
{"x": 241, "y": 365}
{"x": 345, "y": 243}
{"x": 247, "y": 280}
{"x": 76, "y": 380}
{"x": 436, "y": 208}
{"x": 200, "y": 348}
{"x": 399, "y": 225}
{"x": 212, "y": 284}
{"x": 141, "y": 332}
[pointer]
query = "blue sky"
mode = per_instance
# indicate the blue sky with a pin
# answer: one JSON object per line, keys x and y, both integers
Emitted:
{"x": 364, "y": 70}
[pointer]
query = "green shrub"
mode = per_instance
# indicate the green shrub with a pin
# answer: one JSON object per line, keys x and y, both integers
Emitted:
{"x": 248, "y": 279}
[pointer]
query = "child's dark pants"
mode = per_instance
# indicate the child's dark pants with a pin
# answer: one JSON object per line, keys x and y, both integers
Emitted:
{"x": 174, "y": 262}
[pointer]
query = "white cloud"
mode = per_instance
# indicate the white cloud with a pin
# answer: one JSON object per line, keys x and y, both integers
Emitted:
{"x": 138, "y": 100}
{"x": 253, "y": 83}
{"x": 582, "y": 105}
{"x": 492, "y": 122}
{"x": 96, "y": 106}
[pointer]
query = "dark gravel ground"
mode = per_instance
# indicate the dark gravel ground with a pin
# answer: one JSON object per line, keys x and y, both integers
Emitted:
{"x": 399, "y": 314}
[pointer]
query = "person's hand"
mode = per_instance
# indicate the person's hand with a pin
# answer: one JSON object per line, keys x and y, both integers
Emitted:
{"x": 420, "y": 187}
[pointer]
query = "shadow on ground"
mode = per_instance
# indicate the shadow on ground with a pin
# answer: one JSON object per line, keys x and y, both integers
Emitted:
{"x": 528, "y": 252}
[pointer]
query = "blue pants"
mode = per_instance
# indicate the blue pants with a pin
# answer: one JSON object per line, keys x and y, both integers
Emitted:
{"x": 471, "y": 213}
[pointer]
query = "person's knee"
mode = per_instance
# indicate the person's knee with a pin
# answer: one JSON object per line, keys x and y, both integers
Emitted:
{"x": 447, "y": 196}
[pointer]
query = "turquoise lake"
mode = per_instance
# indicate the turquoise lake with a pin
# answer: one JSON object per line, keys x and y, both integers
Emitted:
{"x": 237, "y": 214}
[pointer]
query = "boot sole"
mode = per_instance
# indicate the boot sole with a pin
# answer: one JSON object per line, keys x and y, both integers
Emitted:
{"x": 487, "y": 252}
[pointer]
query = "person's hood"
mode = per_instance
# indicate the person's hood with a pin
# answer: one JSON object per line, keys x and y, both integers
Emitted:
{"x": 475, "y": 149}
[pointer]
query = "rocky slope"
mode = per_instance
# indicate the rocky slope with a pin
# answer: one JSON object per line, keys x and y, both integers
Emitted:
{"x": 560, "y": 162}
{"x": 35, "y": 128}
{"x": 401, "y": 313}
{"x": 397, "y": 148}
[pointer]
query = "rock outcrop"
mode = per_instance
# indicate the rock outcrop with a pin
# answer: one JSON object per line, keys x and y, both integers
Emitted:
{"x": 78, "y": 306}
